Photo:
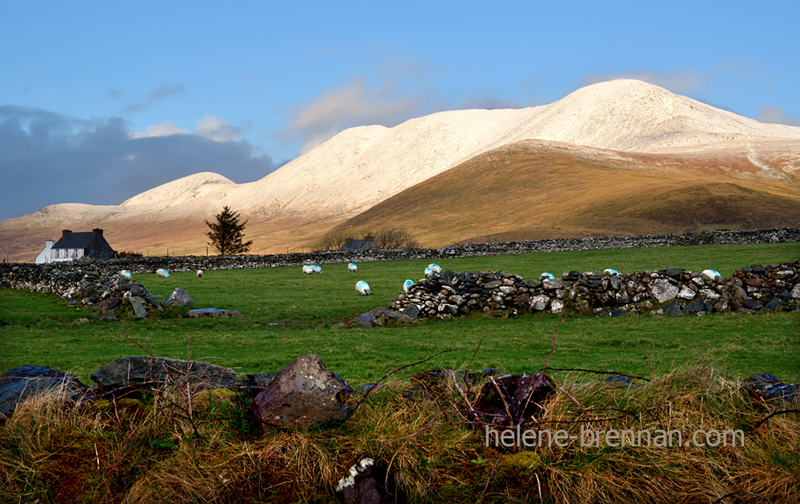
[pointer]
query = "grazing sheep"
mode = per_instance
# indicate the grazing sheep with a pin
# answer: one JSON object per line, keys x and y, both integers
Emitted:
{"x": 428, "y": 273}
{"x": 437, "y": 270}
{"x": 162, "y": 273}
{"x": 548, "y": 276}
{"x": 611, "y": 272}
{"x": 710, "y": 275}
{"x": 308, "y": 270}
{"x": 125, "y": 274}
{"x": 352, "y": 268}
{"x": 362, "y": 288}
{"x": 317, "y": 268}
{"x": 407, "y": 285}
{"x": 199, "y": 273}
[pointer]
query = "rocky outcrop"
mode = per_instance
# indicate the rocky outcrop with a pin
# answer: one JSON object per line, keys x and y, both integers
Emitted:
{"x": 303, "y": 394}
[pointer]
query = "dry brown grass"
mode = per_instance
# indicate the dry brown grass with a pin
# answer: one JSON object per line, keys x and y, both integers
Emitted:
{"x": 145, "y": 451}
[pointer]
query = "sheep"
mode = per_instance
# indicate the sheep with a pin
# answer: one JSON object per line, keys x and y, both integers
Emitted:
{"x": 308, "y": 269}
{"x": 407, "y": 285}
{"x": 317, "y": 268}
{"x": 125, "y": 274}
{"x": 437, "y": 270}
{"x": 428, "y": 272}
{"x": 362, "y": 288}
{"x": 352, "y": 268}
{"x": 162, "y": 273}
{"x": 547, "y": 276}
{"x": 710, "y": 275}
{"x": 610, "y": 272}
{"x": 199, "y": 273}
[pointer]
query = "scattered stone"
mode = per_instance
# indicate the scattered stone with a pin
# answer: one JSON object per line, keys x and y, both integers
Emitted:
{"x": 768, "y": 387}
{"x": 621, "y": 379}
{"x": 179, "y": 297}
{"x": 212, "y": 312}
{"x": 303, "y": 394}
{"x": 138, "y": 307}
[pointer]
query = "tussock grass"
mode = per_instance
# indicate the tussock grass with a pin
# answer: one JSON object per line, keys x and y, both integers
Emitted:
{"x": 145, "y": 450}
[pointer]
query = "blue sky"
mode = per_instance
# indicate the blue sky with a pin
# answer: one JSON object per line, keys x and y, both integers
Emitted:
{"x": 100, "y": 101}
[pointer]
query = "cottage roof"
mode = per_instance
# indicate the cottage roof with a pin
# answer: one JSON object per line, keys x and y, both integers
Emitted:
{"x": 74, "y": 241}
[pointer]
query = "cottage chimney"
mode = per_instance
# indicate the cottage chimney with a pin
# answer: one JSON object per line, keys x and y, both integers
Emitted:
{"x": 65, "y": 233}
{"x": 97, "y": 232}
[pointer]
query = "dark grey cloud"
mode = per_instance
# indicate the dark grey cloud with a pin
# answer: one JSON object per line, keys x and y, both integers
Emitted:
{"x": 160, "y": 93}
{"x": 47, "y": 158}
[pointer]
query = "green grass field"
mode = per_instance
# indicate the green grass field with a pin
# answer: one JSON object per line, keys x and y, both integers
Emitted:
{"x": 289, "y": 314}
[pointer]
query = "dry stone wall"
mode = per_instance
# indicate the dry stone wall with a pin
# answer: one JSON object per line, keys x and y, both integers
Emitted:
{"x": 672, "y": 292}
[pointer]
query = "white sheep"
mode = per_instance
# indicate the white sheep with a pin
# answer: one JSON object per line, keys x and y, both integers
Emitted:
{"x": 199, "y": 273}
{"x": 162, "y": 273}
{"x": 610, "y": 272}
{"x": 125, "y": 274}
{"x": 428, "y": 272}
{"x": 308, "y": 269}
{"x": 362, "y": 288}
{"x": 548, "y": 276}
{"x": 407, "y": 285}
{"x": 352, "y": 268}
{"x": 317, "y": 268}
{"x": 437, "y": 270}
{"x": 710, "y": 275}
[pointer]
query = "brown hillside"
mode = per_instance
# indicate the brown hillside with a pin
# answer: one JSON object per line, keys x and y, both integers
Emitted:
{"x": 535, "y": 189}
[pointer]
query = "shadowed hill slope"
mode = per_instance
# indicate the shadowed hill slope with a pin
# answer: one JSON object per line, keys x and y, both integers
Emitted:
{"x": 534, "y": 189}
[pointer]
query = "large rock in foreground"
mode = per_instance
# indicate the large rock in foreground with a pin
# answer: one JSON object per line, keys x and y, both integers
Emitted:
{"x": 304, "y": 394}
{"x": 145, "y": 371}
{"x": 19, "y": 383}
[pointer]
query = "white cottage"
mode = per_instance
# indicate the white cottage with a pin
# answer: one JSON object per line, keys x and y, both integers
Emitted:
{"x": 72, "y": 246}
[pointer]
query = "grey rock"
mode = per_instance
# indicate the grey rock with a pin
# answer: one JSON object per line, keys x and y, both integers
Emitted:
{"x": 304, "y": 394}
{"x": 673, "y": 272}
{"x": 557, "y": 306}
{"x": 138, "y": 307}
{"x": 767, "y": 386}
{"x": 493, "y": 284}
{"x": 686, "y": 293}
{"x": 538, "y": 303}
{"x": 179, "y": 297}
{"x": 146, "y": 371}
{"x": 212, "y": 312}
{"x": 411, "y": 312}
{"x": 555, "y": 283}
{"x": 663, "y": 291}
{"x": 674, "y": 310}
{"x": 751, "y": 304}
{"x": 773, "y": 305}
{"x": 19, "y": 383}
{"x": 796, "y": 291}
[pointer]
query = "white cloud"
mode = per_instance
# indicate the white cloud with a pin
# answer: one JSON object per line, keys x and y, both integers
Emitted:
{"x": 166, "y": 128}
{"x": 357, "y": 104}
{"x": 776, "y": 115}
{"x": 217, "y": 129}
{"x": 211, "y": 127}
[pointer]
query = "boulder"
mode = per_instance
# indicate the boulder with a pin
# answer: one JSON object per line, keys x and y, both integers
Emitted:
{"x": 304, "y": 394}
{"x": 19, "y": 383}
{"x": 146, "y": 371}
{"x": 663, "y": 291}
{"x": 179, "y": 297}
{"x": 767, "y": 386}
{"x": 674, "y": 310}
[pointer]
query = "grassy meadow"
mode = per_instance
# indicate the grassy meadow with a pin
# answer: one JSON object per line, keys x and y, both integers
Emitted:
{"x": 174, "y": 446}
{"x": 289, "y": 314}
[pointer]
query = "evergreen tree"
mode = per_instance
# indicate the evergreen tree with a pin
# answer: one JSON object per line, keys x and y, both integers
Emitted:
{"x": 227, "y": 233}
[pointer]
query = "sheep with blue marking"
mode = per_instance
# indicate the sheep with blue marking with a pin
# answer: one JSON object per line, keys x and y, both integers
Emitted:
{"x": 317, "y": 268}
{"x": 308, "y": 269}
{"x": 162, "y": 273}
{"x": 199, "y": 273}
{"x": 547, "y": 276}
{"x": 437, "y": 270}
{"x": 610, "y": 272}
{"x": 352, "y": 268}
{"x": 710, "y": 275}
{"x": 428, "y": 273}
{"x": 125, "y": 274}
{"x": 362, "y": 288}
{"x": 407, "y": 285}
